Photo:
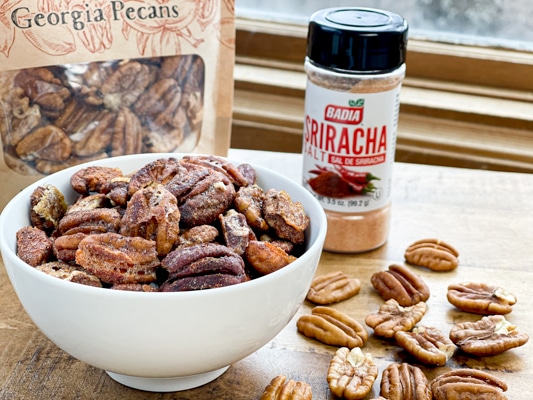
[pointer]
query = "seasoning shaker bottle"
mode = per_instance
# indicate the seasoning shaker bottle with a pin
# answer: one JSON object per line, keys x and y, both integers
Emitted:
{"x": 355, "y": 65}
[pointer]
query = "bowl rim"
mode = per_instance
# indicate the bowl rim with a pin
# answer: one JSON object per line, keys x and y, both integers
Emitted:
{"x": 23, "y": 196}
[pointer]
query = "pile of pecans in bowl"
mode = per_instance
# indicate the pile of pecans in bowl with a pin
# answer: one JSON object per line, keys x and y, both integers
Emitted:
{"x": 193, "y": 223}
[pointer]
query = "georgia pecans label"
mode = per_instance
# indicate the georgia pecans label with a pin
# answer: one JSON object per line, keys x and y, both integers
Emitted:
{"x": 349, "y": 144}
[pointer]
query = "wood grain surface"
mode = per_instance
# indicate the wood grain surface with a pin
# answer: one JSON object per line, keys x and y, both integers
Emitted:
{"x": 487, "y": 216}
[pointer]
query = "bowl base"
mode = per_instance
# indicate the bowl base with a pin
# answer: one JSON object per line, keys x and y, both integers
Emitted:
{"x": 167, "y": 384}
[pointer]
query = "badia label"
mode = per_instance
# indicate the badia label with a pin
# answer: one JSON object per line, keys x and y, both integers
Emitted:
{"x": 349, "y": 144}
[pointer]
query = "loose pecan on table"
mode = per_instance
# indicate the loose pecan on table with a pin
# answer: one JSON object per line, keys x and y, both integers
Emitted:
{"x": 281, "y": 388}
{"x": 392, "y": 318}
{"x": 467, "y": 383}
{"x": 401, "y": 284}
{"x": 427, "y": 344}
{"x": 332, "y": 327}
{"x": 404, "y": 382}
{"x": 480, "y": 298}
{"x": 333, "y": 287}
{"x": 433, "y": 254}
{"x": 351, "y": 373}
{"x": 489, "y": 336}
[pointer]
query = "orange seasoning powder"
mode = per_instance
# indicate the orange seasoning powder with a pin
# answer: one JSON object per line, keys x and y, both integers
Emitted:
{"x": 355, "y": 65}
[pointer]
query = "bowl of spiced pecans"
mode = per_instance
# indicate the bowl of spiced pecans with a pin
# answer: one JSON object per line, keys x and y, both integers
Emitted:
{"x": 162, "y": 269}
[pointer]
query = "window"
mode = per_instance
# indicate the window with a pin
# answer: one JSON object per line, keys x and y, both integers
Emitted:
{"x": 467, "y": 99}
{"x": 502, "y": 23}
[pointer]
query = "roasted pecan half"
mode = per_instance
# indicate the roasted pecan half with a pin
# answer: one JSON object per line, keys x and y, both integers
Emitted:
{"x": 391, "y": 318}
{"x": 70, "y": 273}
{"x": 288, "y": 219}
{"x": 202, "y": 266}
{"x": 281, "y": 388}
{"x": 98, "y": 220}
{"x": 65, "y": 246}
{"x": 351, "y": 373}
{"x": 33, "y": 246}
{"x": 18, "y": 117}
{"x": 427, "y": 344}
{"x": 219, "y": 164}
{"x": 235, "y": 231}
{"x": 125, "y": 85}
{"x": 332, "y": 327}
{"x": 468, "y": 384}
{"x": 404, "y": 382}
{"x": 266, "y": 257}
{"x": 198, "y": 234}
{"x": 136, "y": 287}
{"x": 118, "y": 259}
{"x": 161, "y": 171}
{"x": 127, "y": 133}
{"x": 433, "y": 254}
{"x": 480, "y": 298}
{"x": 93, "y": 179}
{"x": 47, "y": 207}
{"x": 249, "y": 201}
{"x": 45, "y": 143}
{"x": 333, "y": 287}
{"x": 212, "y": 196}
{"x": 44, "y": 89}
{"x": 90, "y": 202}
{"x": 401, "y": 284}
{"x": 159, "y": 111}
{"x": 489, "y": 336}
{"x": 152, "y": 213}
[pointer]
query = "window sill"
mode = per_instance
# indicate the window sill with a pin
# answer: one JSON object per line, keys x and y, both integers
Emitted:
{"x": 464, "y": 122}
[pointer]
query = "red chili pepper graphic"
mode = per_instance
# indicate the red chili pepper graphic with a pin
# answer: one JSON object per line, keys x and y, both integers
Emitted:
{"x": 355, "y": 176}
{"x": 341, "y": 183}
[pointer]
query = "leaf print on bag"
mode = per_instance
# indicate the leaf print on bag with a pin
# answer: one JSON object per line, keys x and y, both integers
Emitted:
{"x": 163, "y": 35}
{"x": 7, "y": 30}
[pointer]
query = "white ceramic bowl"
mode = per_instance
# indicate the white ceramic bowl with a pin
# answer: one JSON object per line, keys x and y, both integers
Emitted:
{"x": 161, "y": 341}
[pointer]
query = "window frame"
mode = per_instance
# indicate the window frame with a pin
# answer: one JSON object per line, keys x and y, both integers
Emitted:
{"x": 461, "y": 105}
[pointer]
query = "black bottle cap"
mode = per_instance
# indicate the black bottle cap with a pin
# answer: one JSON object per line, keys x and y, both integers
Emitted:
{"x": 362, "y": 40}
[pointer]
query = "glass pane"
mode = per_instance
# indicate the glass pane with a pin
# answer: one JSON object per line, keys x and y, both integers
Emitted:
{"x": 496, "y": 23}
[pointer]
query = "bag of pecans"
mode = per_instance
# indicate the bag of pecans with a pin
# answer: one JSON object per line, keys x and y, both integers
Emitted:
{"x": 82, "y": 80}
